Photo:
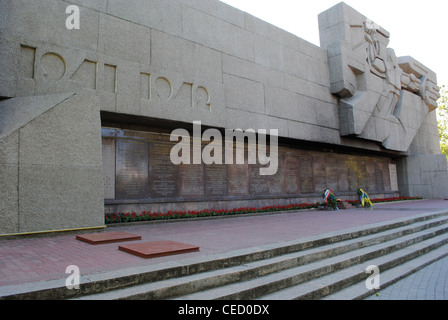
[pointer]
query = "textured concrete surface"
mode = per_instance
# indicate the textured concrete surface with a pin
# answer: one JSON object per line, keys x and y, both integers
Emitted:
{"x": 51, "y": 164}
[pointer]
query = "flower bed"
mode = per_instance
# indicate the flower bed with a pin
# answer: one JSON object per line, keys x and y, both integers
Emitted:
{"x": 358, "y": 202}
{"x": 114, "y": 218}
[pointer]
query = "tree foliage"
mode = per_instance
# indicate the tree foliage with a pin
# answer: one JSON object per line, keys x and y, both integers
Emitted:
{"x": 442, "y": 119}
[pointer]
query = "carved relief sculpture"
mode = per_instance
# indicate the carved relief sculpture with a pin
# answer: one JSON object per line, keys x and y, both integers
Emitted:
{"x": 382, "y": 98}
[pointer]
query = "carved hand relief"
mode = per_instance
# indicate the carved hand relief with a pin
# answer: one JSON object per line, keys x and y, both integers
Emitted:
{"x": 382, "y": 98}
{"x": 50, "y": 71}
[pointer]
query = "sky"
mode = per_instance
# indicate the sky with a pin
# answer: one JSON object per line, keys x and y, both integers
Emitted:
{"x": 418, "y": 28}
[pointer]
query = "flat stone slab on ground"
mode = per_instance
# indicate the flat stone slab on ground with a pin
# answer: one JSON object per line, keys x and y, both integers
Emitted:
{"x": 108, "y": 237}
{"x": 158, "y": 249}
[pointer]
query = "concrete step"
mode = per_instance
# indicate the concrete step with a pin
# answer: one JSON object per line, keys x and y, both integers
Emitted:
{"x": 247, "y": 271}
{"x": 349, "y": 283}
{"x": 250, "y": 270}
{"x": 359, "y": 291}
{"x": 188, "y": 276}
{"x": 274, "y": 282}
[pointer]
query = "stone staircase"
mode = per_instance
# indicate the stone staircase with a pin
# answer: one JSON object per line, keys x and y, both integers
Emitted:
{"x": 325, "y": 267}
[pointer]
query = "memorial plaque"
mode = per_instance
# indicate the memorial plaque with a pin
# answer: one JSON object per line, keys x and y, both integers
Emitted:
{"x": 393, "y": 177}
{"x": 353, "y": 169}
{"x": 306, "y": 174}
{"x": 216, "y": 180}
{"x": 370, "y": 171}
{"x": 164, "y": 174}
{"x": 109, "y": 168}
{"x": 132, "y": 169}
{"x": 259, "y": 185}
{"x": 343, "y": 183}
{"x": 238, "y": 179}
{"x": 268, "y": 185}
{"x": 137, "y": 165}
{"x": 276, "y": 182}
{"x": 265, "y": 185}
{"x": 386, "y": 176}
{"x": 291, "y": 174}
{"x": 362, "y": 175}
{"x": 191, "y": 180}
{"x": 379, "y": 180}
{"x": 319, "y": 174}
{"x": 331, "y": 173}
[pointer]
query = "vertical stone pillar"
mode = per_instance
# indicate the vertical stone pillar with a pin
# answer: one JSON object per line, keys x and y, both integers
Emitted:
{"x": 51, "y": 163}
{"x": 424, "y": 175}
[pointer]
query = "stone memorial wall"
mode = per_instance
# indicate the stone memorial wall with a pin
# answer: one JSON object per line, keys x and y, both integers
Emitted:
{"x": 349, "y": 113}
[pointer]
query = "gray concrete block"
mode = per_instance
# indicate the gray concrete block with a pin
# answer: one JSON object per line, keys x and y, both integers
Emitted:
{"x": 158, "y": 14}
{"x": 9, "y": 149}
{"x": 219, "y": 10}
{"x": 440, "y": 185}
{"x": 9, "y": 201}
{"x": 56, "y": 181}
{"x": 57, "y": 197}
{"x": 124, "y": 39}
{"x": 252, "y": 71}
{"x": 98, "y": 5}
{"x": 442, "y": 160}
{"x": 244, "y": 94}
{"x": 226, "y": 37}
{"x": 244, "y": 120}
{"x": 9, "y": 64}
{"x": 429, "y": 163}
{"x": 66, "y": 135}
{"x": 17, "y": 112}
{"x": 185, "y": 56}
{"x": 29, "y": 20}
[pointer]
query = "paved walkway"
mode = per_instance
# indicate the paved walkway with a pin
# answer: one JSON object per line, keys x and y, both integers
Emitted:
{"x": 430, "y": 283}
{"x": 32, "y": 259}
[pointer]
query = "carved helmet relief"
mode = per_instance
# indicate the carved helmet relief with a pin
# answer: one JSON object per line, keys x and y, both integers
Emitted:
{"x": 374, "y": 51}
{"x": 383, "y": 98}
